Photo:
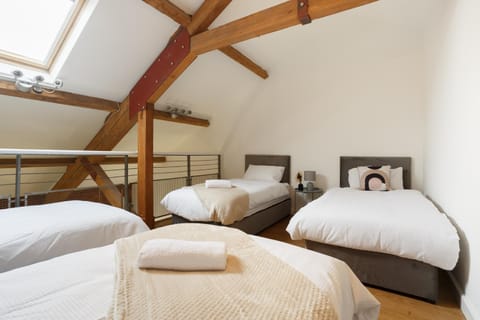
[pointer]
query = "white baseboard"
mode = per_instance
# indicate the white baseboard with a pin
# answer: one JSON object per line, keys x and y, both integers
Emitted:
{"x": 469, "y": 310}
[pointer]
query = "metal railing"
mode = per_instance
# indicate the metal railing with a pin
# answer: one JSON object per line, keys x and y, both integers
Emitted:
{"x": 31, "y": 185}
{"x": 179, "y": 170}
{"x": 34, "y": 182}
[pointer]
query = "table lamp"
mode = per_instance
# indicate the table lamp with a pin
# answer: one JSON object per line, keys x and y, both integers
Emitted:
{"x": 309, "y": 176}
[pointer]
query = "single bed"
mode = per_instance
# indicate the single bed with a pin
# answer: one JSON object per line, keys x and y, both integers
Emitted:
{"x": 395, "y": 240}
{"x": 36, "y": 233}
{"x": 86, "y": 285}
{"x": 270, "y": 204}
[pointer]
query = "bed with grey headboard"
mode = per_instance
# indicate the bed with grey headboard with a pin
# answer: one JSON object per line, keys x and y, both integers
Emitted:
{"x": 263, "y": 219}
{"x": 382, "y": 270}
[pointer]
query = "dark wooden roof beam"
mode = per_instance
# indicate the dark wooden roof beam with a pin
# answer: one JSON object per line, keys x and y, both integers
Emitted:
{"x": 61, "y": 97}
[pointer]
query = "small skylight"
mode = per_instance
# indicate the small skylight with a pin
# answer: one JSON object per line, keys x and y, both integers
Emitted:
{"x": 33, "y": 30}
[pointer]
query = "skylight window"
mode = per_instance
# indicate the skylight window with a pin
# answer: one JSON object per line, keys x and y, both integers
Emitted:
{"x": 33, "y": 31}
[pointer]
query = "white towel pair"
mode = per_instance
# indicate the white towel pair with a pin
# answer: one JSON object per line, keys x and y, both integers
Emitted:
{"x": 218, "y": 183}
{"x": 183, "y": 255}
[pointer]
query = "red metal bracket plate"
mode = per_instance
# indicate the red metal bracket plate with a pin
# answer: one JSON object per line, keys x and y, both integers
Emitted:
{"x": 302, "y": 12}
{"x": 173, "y": 54}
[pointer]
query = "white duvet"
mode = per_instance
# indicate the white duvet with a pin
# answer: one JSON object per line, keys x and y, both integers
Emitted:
{"x": 80, "y": 285}
{"x": 36, "y": 233}
{"x": 400, "y": 222}
{"x": 184, "y": 202}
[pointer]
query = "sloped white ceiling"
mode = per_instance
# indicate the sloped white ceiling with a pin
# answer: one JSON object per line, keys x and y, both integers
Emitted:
{"x": 119, "y": 42}
{"x": 122, "y": 38}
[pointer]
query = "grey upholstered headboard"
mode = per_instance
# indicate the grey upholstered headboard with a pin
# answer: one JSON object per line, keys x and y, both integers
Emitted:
{"x": 347, "y": 163}
{"x": 270, "y": 160}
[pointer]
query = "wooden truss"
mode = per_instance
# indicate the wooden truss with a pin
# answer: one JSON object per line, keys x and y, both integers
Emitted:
{"x": 154, "y": 83}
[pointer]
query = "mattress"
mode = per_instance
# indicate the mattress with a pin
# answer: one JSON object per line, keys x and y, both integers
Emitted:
{"x": 184, "y": 202}
{"x": 36, "y": 233}
{"x": 401, "y": 222}
{"x": 85, "y": 289}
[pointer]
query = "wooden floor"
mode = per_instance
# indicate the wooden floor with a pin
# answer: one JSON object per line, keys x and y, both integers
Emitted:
{"x": 395, "y": 306}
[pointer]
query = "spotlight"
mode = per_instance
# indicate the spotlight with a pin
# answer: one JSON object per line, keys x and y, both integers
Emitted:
{"x": 23, "y": 85}
{"x": 175, "y": 112}
{"x": 37, "y": 84}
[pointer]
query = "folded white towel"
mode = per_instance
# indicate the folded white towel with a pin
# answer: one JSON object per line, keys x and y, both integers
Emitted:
{"x": 218, "y": 183}
{"x": 183, "y": 255}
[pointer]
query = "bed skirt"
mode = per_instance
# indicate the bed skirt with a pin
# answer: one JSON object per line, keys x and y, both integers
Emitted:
{"x": 256, "y": 222}
{"x": 386, "y": 271}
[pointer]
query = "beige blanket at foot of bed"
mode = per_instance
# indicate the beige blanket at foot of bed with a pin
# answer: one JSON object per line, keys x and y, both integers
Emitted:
{"x": 225, "y": 205}
{"x": 255, "y": 285}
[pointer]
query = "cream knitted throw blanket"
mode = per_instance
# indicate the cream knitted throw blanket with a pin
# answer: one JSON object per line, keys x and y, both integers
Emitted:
{"x": 255, "y": 285}
{"x": 225, "y": 205}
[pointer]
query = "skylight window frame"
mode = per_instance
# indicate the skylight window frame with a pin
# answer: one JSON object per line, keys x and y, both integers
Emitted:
{"x": 59, "y": 42}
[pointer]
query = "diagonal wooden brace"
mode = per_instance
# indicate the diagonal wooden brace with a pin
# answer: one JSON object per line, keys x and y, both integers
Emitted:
{"x": 163, "y": 66}
{"x": 109, "y": 190}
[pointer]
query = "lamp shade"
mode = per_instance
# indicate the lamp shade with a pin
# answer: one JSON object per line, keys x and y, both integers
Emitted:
{"x": 309, "y": 175}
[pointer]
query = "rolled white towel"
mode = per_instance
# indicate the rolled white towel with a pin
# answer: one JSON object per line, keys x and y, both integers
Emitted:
{"x": 218, "y": 183}
{"x": 183, "y": 255}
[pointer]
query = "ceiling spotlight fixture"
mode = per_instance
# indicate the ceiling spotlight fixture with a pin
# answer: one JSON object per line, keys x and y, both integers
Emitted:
{"x": 175, "y": 112}
{"x": 37, "y": 84}
{"x": 24, "y": 85}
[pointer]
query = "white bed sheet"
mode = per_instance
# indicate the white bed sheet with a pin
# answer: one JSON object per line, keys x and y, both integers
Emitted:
{"x": 36, "y": 233}
{"x": 400, "y": 222}
{"x": 85, "y": 288}
{"x": 184, "y": 202}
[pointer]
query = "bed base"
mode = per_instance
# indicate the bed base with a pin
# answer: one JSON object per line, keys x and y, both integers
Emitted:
{"x": 255, "y": 223}
{"x": 386, "y": 271}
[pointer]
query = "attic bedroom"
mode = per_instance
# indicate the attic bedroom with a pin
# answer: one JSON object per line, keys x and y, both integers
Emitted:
{"x": 218, "y": 159}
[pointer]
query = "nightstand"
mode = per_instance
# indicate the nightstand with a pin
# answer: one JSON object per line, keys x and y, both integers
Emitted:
{"x": 307, "y": 196}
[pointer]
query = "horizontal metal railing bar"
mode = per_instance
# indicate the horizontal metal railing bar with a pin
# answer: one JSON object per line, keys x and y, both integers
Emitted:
{"x": 184, "y": 166}
{"x": 204, "y": 175}
{"x": 118, "y": 176}
{"x": 32, "y": 173}
{"x": 62, "y": 152}
{"x": 182, "y": 171}
{"x": 112, "y": 177}
{"x": 204, "y": 165}
{"x": 172, "y": 161}
{"x": 58, "y": 152}
{"x": 165, "y": 179}
{"x": 179, "y": 178}
{"x": 61, "y": 190}
{"x": 205, "y": 160}
{"x": 166, "y": 167}
{"x": 32, "y": 182}
{"x": 168, "y": 154}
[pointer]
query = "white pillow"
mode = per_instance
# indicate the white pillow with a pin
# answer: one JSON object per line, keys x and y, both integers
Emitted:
{"x": 396, "y": 178}
{"x": 268, "y": 173}
{"x": 353, "y": 178}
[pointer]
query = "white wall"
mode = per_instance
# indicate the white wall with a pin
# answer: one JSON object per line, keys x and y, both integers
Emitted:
{"x": 352, "y": 84}
{"x": 453, "y": 133}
